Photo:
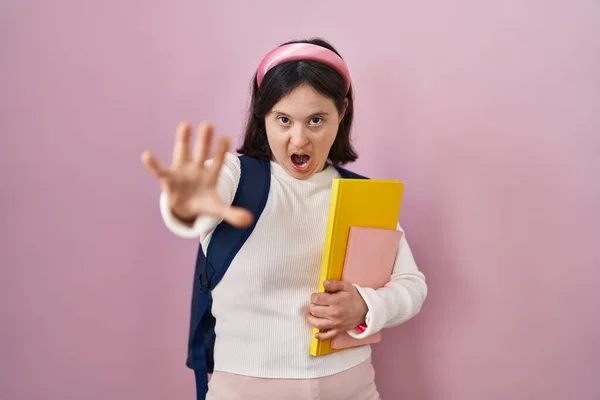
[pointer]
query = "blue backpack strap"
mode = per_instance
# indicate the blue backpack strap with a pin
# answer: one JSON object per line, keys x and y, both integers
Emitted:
{"x": 252, "y": 194}
{"x": 226, "y": 241}
{"x": 344, "y": 173}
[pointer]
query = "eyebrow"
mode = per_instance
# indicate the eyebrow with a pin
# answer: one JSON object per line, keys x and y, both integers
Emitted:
{"x": 289, "y": 116}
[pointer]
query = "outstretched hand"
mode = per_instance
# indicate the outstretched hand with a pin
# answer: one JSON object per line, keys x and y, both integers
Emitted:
{"x": 190, "y": 183}
{"x": 340, "y": 308}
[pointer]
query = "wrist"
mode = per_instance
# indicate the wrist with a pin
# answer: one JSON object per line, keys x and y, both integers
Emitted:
{"x": 362, "y": 305}
{"x": 184, "y": 219}
{"x": 364, "y": 310}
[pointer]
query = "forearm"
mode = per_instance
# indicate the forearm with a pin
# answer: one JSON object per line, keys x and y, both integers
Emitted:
{"x": 399, "y": 301}
{"x": 404, "y": 298}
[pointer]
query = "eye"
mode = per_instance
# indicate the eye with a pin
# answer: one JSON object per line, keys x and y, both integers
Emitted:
{"x": 283, "y": 120}
{"x": 316, "y": 121}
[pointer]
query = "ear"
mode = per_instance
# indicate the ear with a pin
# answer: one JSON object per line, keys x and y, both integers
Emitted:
{"x": 343, "y": 113}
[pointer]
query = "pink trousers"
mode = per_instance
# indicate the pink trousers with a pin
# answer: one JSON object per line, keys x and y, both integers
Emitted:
{"x": 357, "y": 383}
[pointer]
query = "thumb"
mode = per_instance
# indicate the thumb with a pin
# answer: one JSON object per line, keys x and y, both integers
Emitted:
{"x": 238, "y": 217}
{"x": 153, "y": 165}
{"x": 337, "y": 286}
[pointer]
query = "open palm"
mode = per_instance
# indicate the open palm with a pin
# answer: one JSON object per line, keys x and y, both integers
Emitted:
{"x": 190, "y": 183}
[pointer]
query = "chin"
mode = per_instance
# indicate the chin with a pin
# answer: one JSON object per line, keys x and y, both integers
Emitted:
{"x": 300, "y": 175}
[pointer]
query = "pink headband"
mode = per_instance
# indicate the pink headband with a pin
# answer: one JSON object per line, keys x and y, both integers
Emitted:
{"x": 302, "y": 51}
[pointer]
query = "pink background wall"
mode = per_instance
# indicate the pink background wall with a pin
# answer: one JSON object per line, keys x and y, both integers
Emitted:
{"x": 489, "y": 111}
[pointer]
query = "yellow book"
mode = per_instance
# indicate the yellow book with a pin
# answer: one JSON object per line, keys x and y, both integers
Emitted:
{"x": 366, "y": 203}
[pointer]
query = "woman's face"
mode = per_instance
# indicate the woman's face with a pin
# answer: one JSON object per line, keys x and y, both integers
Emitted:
{"x": 301, "y": 128}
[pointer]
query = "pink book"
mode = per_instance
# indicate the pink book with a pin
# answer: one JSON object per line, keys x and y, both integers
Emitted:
{"x": 369, "y": 261}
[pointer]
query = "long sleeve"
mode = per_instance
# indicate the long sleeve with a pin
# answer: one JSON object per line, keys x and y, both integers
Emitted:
{"x": 400, "y": 299}
{"x": 227, "y": 184}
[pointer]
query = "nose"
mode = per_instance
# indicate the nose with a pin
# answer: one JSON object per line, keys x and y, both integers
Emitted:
{"x": 299, "y": 137}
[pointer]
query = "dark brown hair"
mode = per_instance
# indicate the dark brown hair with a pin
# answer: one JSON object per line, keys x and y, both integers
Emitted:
{"x": 279, "y": 82}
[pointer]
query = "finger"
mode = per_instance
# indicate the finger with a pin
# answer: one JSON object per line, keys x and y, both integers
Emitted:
{"x": 319, "y": 323}
{"x": 325, "y": 299}
{"x": 203, "y": 142}
{"x": 337, "y": 286}
{"x": 153, "y": 165}
{"x": 327, "y": 335}
{"x": 238, "y": 217}
{"x": 181, "y": 149}
{"x": 319, "y": 311}
{"x": 320, "y": 299}
{"x": 218, "y": 160}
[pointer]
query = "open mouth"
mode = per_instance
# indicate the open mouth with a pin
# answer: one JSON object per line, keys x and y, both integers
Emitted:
{"x": 300, "y": 161}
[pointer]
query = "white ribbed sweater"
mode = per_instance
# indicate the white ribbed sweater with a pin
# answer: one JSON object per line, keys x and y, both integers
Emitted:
{"x": 260, "y": 303}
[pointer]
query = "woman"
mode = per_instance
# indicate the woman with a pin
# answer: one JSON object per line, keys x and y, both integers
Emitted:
{"x": 300, "y": 119}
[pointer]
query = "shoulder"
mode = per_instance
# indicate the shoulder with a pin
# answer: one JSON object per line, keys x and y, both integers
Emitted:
{"x": 249, "y": 162}
{"x": 229, "y": 176}
{"x": 232, "y": 162}
{"x": 346, "y": 173}
{"x": 247, "y": 170}
{"x": 231, "y": 170}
